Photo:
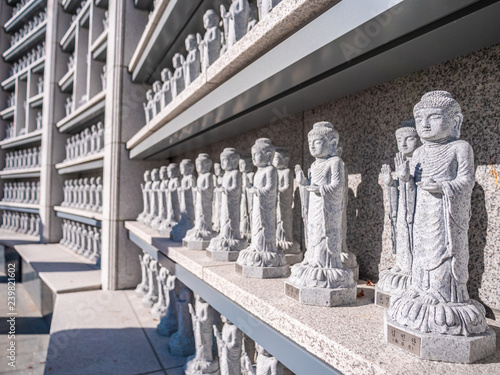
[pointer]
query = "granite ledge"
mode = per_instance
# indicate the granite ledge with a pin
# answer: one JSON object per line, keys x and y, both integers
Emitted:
{"x": 349, "y": 338}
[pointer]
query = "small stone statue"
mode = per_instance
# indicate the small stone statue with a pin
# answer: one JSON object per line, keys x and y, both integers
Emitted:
{"x": 148, "y": 106}
{"x": 40, "y": 85}
{"x": 246, "y": 169}
{"x": 92, "y": 193}
{"x": 210, "y": 45}
{"x": 105, "y": 21}
{"x": 192, "y": 65}
{"x": 229, "y": 343}
{"x": 166, "y": 92}
{"x": 151, "y": 297}
{"x": 168, "y": 323}
{"x": 100, "y": 137}
{"x": 235, "y": 21}
{"x": 267, "y": 364}
{"x": 203, "y": 361}
{"x": 262, "y": 259}
{"x": 156, "y": 97}
{"x": 437, "y": 302}
{"x": 182, "y": 342}
{"x": 401, "y": 196}
{"x": 172, "y": 200}
{"x": 227, "y": 245}
{"x": 159, "y": 309}
{"x": 161, "y": 191}
{"x": 103, "y": 77}
{"x": 266, "y": 6}
{"x": 178, "y": 81}
{"x": 284, "y": 235}
{"x": 186, "y": 204}
{"x": 69, "y": 106}
{"x": 98, "y": 200}
{"x": 218, "y": 173}
{"x": 198, "y": 238}
{"x": 321, "y": 279}
{"x": 247, "y": 356}
{"x": 143, "y": 287}
{"x": 154, "y": 191}
{"x": 39, "y": 120}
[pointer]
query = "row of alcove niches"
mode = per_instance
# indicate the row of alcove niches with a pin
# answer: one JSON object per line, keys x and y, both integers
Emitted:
{"x": 81, "y": 67}
{"x": 22, "y": 70}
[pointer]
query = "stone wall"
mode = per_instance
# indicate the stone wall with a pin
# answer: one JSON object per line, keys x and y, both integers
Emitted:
{"x": 366, "y": 122}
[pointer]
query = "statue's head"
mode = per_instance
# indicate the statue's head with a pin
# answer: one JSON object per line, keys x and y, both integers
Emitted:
{"x": 86, "y": 181}
{"x": 210, "y": 19}
{"x": 100, "y": 125}
{"x": 147, "y": 176}
{"x": 438, "y": 116}
{"x": 229, "y": 159}
{"x": 186, "y": 167}
{"x": 157, "y": 86}
{"x": 281, "y": 158}
{"x": 407, "y": 138}
{"x": 149, "y": 94}
{"x": 173, "y": 170}
{"x": 155, "y": 174}
{"x": 166, "y": 74}
{"x": 217, "y": 169}
{"x": 190, "y": 42}
{"x": 163, "y": 173}
{"x": 177, "y": 61}
{"x": 246, "y": 165}
{"x": 323, "y": 140}
{"x": 262, "y": 152}
{"x": 203, "y": 163}
{"x": 92, "y": 181}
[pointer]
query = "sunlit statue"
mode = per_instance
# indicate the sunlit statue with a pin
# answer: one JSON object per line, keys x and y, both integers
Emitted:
{"x": 321, "y": 278}
{"x": 401, "y": 196}
{"x": 229, "y": 343}
{"x": 443, "y": 170}
{"x": 210, "y": 45}
{"x": 262, "y": 259}
{"x": 186, "y": 201}
{"x": 228, "y": 243}
{"x": 171, "y": 199}
{"x": 198, "y": 238}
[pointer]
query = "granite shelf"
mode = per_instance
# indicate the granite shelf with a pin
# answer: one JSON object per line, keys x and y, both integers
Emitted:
{"x": 29, "y": 41}
{"x": 99, "y": 47}
{"x": 26, "y": 139}
{"x": 306, "y": 339}
{"x": 20, "y": 173}
{"x": 80, "y": 216}
{"x": 28, "y": 10}
{"x": 66, "y": 82}
{"x": 79, "y": 212}
{"x": 9, "y": 238}
{"x": 61, "y": 269}
{"x": 321, "y": 71}
{"x": 8, "y": 113}
{"x": 83, "y": 115}
{"x": 88, "y": 163}
{"x": 32, "y": 208}
{"x": 161, "y": 35}
{"x": 35, "y": 67}
{"x": 68, "y": 40}
{"x": 36, "y": 101}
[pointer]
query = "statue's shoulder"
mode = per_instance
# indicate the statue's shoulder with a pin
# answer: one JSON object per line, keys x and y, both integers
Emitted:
{"x": 462, "y": 146}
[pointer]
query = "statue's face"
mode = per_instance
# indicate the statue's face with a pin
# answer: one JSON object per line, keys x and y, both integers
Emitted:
{"x": 228, "y": 162}
{"x": 154, "y": 175}
{"x": 217, "y": 169}
{"x": 186, "y": 169}
{"x": 433, "y": 124}
{"x": 407, "y": 142}
{"x": 173, "y": 172}
{"x": 190, "y": 43}
{"x": 163, "y": 173}
{"x": 260, "y": 157}
{"x": 280, "y": 161}
{"x": 244, "y": 167}
{"x": 203, "y": 165}
{"x": 319, "y": 147}
{"x": 210, "y": 20}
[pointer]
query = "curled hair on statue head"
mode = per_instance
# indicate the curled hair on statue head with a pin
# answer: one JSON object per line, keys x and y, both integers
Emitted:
{"x": 324, "y": 129}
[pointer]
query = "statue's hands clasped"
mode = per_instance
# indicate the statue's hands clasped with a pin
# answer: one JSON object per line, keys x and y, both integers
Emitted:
{"x": 402, "y": 167}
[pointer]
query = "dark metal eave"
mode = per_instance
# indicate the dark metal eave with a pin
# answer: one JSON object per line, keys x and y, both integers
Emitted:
{"x": 418, "y": 35}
